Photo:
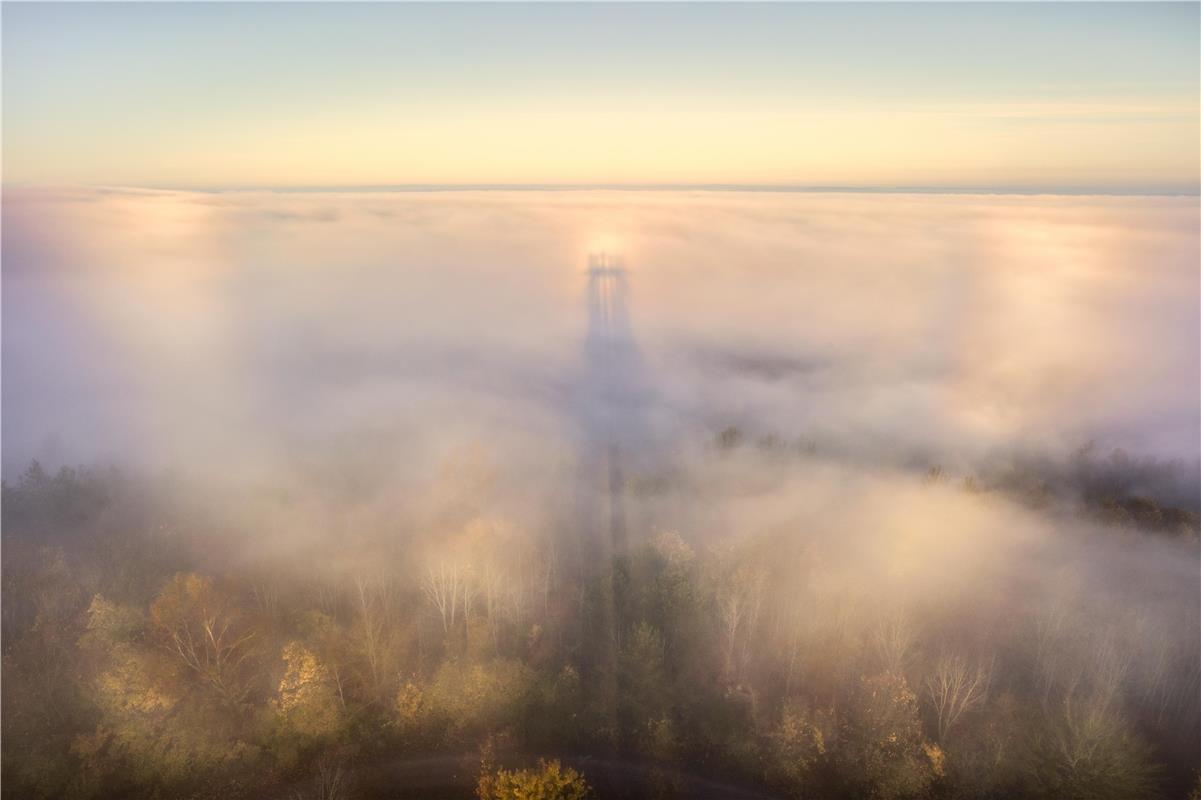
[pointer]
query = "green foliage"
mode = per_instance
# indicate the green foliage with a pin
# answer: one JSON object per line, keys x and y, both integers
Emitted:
{"x": 53, "y": 504}
{"x": 470, "y": 700}
{"x": 35, "y": 732}
{"x": 560, "y": 719}
{"x": 643, "y": 696}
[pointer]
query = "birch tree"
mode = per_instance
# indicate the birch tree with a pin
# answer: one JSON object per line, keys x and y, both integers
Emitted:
{"x": 954, "y": 688}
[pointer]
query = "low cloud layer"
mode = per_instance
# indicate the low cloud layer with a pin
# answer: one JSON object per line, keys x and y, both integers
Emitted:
{"x": 251, "y": 330}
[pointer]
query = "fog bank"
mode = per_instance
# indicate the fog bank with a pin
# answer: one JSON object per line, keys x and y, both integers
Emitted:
{"x": 262, "y": 332}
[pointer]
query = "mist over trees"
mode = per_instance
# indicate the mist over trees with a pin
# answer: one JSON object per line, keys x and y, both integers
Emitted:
{"x": 149, "y": 651}
{"x": 790, "y": 505}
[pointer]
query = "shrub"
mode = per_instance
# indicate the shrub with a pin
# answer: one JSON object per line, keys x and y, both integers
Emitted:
{"x": 549, "y": 781}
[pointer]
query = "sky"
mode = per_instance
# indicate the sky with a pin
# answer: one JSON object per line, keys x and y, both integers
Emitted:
{"x": 1073, "y": 96}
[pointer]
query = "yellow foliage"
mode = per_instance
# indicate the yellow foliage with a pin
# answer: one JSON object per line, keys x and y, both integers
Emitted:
{"x": 148, "y": 728}
{"x": 202, "y": 627}
{"x": 108, "y": 622}
{"x": 161, "y": 752}
{"x": 797, "y": 743}
{"x": 550, "y": 781}
{"x": 127, "y": 688}
{"x": 183, "y": 593}
{"x": 410, "y": 705}
{"x": 126, "y": 680}
{"x": 938, "y": 759}
{"x": 307, "y": 700}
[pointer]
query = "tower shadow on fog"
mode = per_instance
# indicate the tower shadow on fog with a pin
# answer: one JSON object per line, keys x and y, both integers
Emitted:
{"x": 613, "y": 407}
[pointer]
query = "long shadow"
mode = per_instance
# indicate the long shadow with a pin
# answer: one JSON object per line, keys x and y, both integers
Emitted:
{"x": 613, "y": 396}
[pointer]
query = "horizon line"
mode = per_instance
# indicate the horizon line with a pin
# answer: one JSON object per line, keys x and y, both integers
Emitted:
{"x": 1193, "y": 190}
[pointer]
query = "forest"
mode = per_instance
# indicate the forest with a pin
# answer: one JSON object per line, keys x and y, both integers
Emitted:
{"x": 155, "y": 646}
{"x": 600, "y": 401}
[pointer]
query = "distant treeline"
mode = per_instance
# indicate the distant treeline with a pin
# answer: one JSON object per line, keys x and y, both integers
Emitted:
{"x": 1115, "y": 487}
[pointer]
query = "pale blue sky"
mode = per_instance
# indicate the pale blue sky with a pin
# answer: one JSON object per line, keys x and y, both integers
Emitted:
{"x": 859, "y": 94}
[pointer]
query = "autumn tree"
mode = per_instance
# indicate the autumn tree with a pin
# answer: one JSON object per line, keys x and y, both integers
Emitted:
{"x": 151, "y": 737}
{"x": 797, "y": 745}
{"x": 202, "y": 627}
{"x": 473, "y": 699}
{"x": 549, "y": 781}
{"x": 881, "y": 751}
{"x": 307, "y": 712}
{"x": 307, "y": 697}
{"x": 332, "y": 645}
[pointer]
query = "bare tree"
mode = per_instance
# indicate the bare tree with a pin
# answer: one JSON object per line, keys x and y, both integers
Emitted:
{"x": 738, "y": 606}
{"x": 796, "y": 625}
{"x": 373, "y": 606}
{"x": 443, "y": 588}
{"x": 954, "y": 688}
{"x": 548, "y": 575}
{"x": 1050, "y": 625}
{"x": 265, "y": 595}
{"x": 203, "y": 627}
{"x": 492, "y": 585}
{"x": 894, "y": 638}
{"x": 1110, "y": 665}
{"x": 471, "y": 590}
{"x": 330, "y": 783}
{"x": 1087, "y": 739}
{"x": 731, "y": 610}
{"x": 327, "y": 591}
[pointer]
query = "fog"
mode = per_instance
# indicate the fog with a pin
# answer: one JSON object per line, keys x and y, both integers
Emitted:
{"x": 894, "y": 425}
{"x": 256, "y": 327}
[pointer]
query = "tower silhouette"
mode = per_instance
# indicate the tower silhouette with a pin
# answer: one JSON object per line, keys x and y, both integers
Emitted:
{"x": 612, "y": 396}
{"x": 610, "y": 343}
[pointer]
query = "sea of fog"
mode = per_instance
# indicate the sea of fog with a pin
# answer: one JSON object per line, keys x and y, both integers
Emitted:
{"x": 370, "y": 384}
{"x": 247, "y": 333}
